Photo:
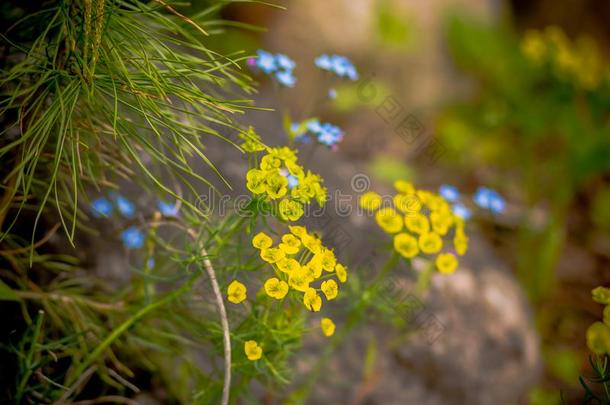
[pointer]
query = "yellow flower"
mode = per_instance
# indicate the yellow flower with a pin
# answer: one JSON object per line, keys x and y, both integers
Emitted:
{"x": 312, "y": 243}
{"x": 299, "y": 280}
{"x": 607, "y": 315}
{"x": 417, "y": 223}
{"x": 598, "y": 338}
{"x": 272, "y": 255}
{"x": 389, "y": 220}
{"x": 253, "y": 350}
{"x": 297, "y": 230}
{"x": 370, "y": 201}
{"x": 255, "y": 181}
{"x": 314, "y": 268}
{"x": 310, "y": 272}
{"x": 270, "y": 163}
{"x": 446, "y": 263}
{"x": 283, "y": 153}
{"x": 328, "y": 260}
{"x": 328, "y": 326}
{"x": 276, "y": 185}
{"x": 309, "y": 187}
{"x": 341, "y": 272}
{"x": 294, "y": 169}
{"x": 441, "y": 222}
{"x": 330, "y": 289}
{"x": 288, "y": 265}
{"x": 406, "y": 245}
{"x": 276, "y": 288}
{"x": 430, "y": 243}
{"x": 319, "y": 193}
{"x": 290, "y": 244}
{"x": 290, "y": 210}
{"x": 262, "y": 241}
{"x": 404, "y": 187}
{"x": 407, "y": 203}
{"x": 437, "y": 203}
{"x": 312, "y": 300}
{"x": 601, "y": 295}
{"x": 460, "y": 242}
{"x": 236, "y": 292}
{"x": 424, "y": 196}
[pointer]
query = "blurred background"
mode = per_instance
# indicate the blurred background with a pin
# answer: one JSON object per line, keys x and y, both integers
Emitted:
{"x": 509, "y": 94}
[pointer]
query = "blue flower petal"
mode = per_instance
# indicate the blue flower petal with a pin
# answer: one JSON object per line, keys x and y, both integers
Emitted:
{"x": 266, "y": 61}
{"x": 101, "y": 207}
{"x": 323, "y": 62}
{"x": 461, "y": 211}
{"x": 497, "y": 205}
{"x": 449, "y": 192}
{"x": 482, "y": 197}
{"x": 125, "y": 207}
{"x": 168, "y": 209}
{"x": 286, "y": 78}
{"x": 293, "y": 181}
{"x": 132, "y": 238}
{"x": 284, "y": 62}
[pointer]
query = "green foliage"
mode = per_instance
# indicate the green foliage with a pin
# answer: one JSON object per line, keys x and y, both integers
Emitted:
{"x": 393, "y": 27}
{"x": 93, "y": 92}
{"x": 538, "y": 122}
{"x": 100, "y": 88}
{"x": 534, "y": 114}
{"x": 389, "y": 170}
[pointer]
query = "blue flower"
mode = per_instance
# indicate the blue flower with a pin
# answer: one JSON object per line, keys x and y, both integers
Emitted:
{"x": 280, "y": 65}
{"x": 332, "y": 94}
{"x": 101, "y": 208}
{"x": 497, "y": 204}
{"x": 293, "y": 181}
{"x": 329, "y": 134}
{"x": 351, "y": 72}
{"x": 284, "y": 62}
{"x": 286, "y": 78}
{"x": 266, "y": 61}
{"x": 150, "y": 263}
{"x": 489, "y": 199}
{"x": 314, "y": 126}
{"x": 168, "y": 209}
{"x": 449, "y": 193}
{"x": 339, "y": 65}
{"x": 125, "y": 207}
{"x": 132, "y": 238}
{"x": 324, "y": 62}
{"x": 461, "y": 211}
{"x": 325, "y": 133}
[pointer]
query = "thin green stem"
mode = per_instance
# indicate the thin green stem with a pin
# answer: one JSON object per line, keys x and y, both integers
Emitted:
{"x": 30, "y": 357}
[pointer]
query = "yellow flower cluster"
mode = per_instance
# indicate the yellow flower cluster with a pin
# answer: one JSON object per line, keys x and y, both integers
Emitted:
{"x": 418, "y": 221}
{"x": 598, "y": 334}
{"x": 579, "y": 60}
{"x": 299, "y": 261}
{"x": 281, "y": 179}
